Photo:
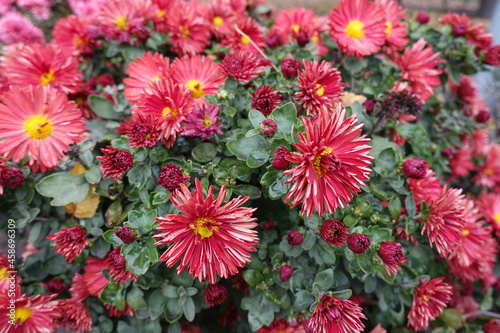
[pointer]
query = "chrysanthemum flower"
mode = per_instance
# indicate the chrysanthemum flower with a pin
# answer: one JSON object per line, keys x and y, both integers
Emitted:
{"x": 265, "y": 100}
{"x": 418, "y": 66}
{"x": 86, "y": 9}
{"x": 40, "y": 9}
{"x": 426, "y": 189}
{"x": 333, "y": 163}
{"x": 219, "y": 14}
{"x": 237, "y": 42}
{"x": 117, "y": 18}
{"x": 171, "y": 177}
{"x": 70, "y": 34}
{"x": 492, "y": 326}
{"x": 241, "y": 66}
{"x": 74, "y": 316}
{"x": 209, "y": 239}
{"x": 333, "y": 314}
{"x": 32, "y": 314}
{"x": 16, "y": 28}
{"x": 466, "y": 89}
{"x": 392, "y": 256}
{"x": 169, "y": 103}
{"x": 143, "y": 73}
{"x": 445, "y": 221}
{"x": 203, "y": 121}
{"x": 11, "y": 177}
{"x": 70, "y": 241}
{"x": 198, "y": 74}
{"x": 282, "y": 326}
{"x": 78, "y": 289}
{"x": 358, "y": 26}
{"x": 429, "y": 300}
{"x": 161, "y": 11}
{"x": 189, "y": 32}
{"x": 116, "y": 264}
{"x": 290, "y": 68}
{"x": 334, "y": 232}
{"x": 55, "y": 286}
{"x": 488, "y": 174}
{"x": 115, "y": 162}
{"x": 474, "y": 33}
{"x": 358, "y": 243}
{"x": 215, "y": 294}
{"x": 320, "y": 86}
{"x": 143, "y": 130}
{"x": 292, "y": 21}
{"x": 39, "y": 122}
{"x": 41, "y": 65}
{"x": 4, "y": 275}
{"x": 395, "y": 29}
{"x": 113, "y": 311}
{"x": 461, "y": 161}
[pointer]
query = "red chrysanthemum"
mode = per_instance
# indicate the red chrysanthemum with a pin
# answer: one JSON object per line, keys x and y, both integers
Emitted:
{"x": 143, "y": 72}
{"x": 70, "y": 241}
{"x": 415, "y": 168}
{"x": 358, "y": 26}
{"x": 241, "y": 66}
{"x": 429, "y": 300}
{"x": 209, "y": 239}
{"x": 392, "y": 255}
{"x": 11, "y": 177}
{"x": 116, "y": 264}
{"x": 189, "y": 32}
{"x": 334, "y": 232}
{"x": 395, "y": 29}
{"x": 70, "y": 34}
{"x": 282, "y": 326}
{"x": 445, "y": 221}
{"x": 40, "y": 65}
{"x": 492, "y": 56}
{"x": 78, "y": 289}
{"x": 171, "y": 177}
{"x": 55, "y": 286}
{"x": 199, "y": 74}
{"x": 39, "y": 122}
{"x": 492, "y": 326}
{"x": 74, "y": 316}
{"x": 236, "y": 41}
{"x": 115, "y": 162}
{"x": 125, "y": 234}
{"x": 358, "y": 243}
{"x": 143, "y": 130}
{"x": 488, "y": 174}
{"x": 293, "y": 21}
{"x": 333, "y": 163}
{"x": 474, "y": 33}
{"x": 169, "y": 103}
{"x": 461, "y": 161}
{"x": 113, "y": 311}
{"x": 290, "y": 68}
{"x": 162, "y": 10}
{"x": 119, "y": 18}
{"x": 489, "y": 205}
{"x": 203, "y": 122}
{"x": 265, "y": 100}
{"x": 320, "y": 86}
{"x": 215, "y": 294}
{"x": 220, "y": 16}
{"x": 418, "y": 66}
{"x": 426, "y": 189}
{"x": 333, "y": 314}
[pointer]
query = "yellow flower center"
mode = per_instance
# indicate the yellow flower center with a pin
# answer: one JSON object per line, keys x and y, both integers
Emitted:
{"x": 218, "y": 21}
{"x": 496, "y": 217}
{"x": 296, "y": 28}
{"x": 388, "y": 28}
{"x": 204, "y": 227}
{"x": 245, "y": 41}
{"x": 78, "y": 41}
{"x": 196, "y": 87}
{"x": 3, "y": 274}
{"x": 425, "y": 298}
{"x": 465, "y": 232}
{"x": 169, "y": 112}
{"x": 79, "y": 100}
{"x": 315, "y": 39}
{"x": 321, "y": 90}
{"x": 155, "y": 78}
{"x": 38, "y": 127}
{"x": 355, "y": 29}
{"x": 121, "y": 22}
{"x": 22, "y": 314}
{"x": 184, "y": 32}
{"x": 317, "y": 161}
{"x": 488, "y": 171}
{"x": 161, "y": 13}
{"x": 47, "y": 78}
{"x": 207, "y": 122}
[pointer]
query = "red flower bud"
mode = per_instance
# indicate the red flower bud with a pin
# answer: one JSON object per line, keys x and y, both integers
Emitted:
{"x": 294, "y": 238}
{"x": 215, "y": 294}
{"x": 358, "y": 243}
{"x": 279, "y": 159}
{"x": 482, "y": 116}
{"x": 286, "y": 272}
{"x": 290, "y": 68}
{"x": 12, "y": 177}
{"x": 492, "y": 56}
{"x": 415, "y": 168}
{"x": 125, "y": 234}
{"x": 334, "y": 232}
{"x": 423, "y": 17}
{"x": 459, "y": 29}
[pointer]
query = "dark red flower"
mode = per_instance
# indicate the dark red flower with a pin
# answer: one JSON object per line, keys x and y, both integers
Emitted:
{"x": 493, "y": 326}
{"x": 391, "y": 254}
{"x": 12, "y": 177}
{"x": 279, "y": 160}
{"x": 290, "y": 68}
{"x": 125, "y": 234}
{"x": 492, "y": 56}
{"x": 241, "y": 66}
{"x": 116, "y": 263}
{"x": 333, "y": 314}
{"x": 302, "y": 38}
{"x": 415, "y": 168}
{"x": 70, "y": 241}
{"x": 215, "y": 294}
{"x": 143, "y": 130}
{"x": 115, "y": 162}
{"x": 286, "y": 272}
{"x": 482, "y": 116}
{"x": 334, "y": 232}
{"x": 294, "y": 238}
{"x": 268, "y": 127}
{"x": 459, "y": 29}
{"x": 358, "y": 243}
{"x": 171, "y": 177}
{"x": 55, "y": 286}
{"x": 423, "y": 17}
{"x": 369, "y": 104}
{"x": 265, "y": 100}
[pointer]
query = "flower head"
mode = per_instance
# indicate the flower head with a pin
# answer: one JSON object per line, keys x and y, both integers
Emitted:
{"x": 215, "y": 294}
{"x": 391, "y": 254}
{"x": 425, "y": 189}
{"x": 74, "y": 316}
{"x": 320, "y": 86}
{"x": 171, "y": 177}
{"x": 280, "y": 161}
{"x": 492, "y": 56}
{"x": 334, "y": 232}
{"x": 238, "y": 42}
{"x": 333, "y": 163}
{"x": 268, "y": 127}
{"x": 189, "y": 32}
{"x": 294, "y": 237}
{"x": 358, "y": 243}
{"x": 55, "y": 286}
{"x": 333, "y": 314}
{"x": 209, "y": 239}
{"x": 143, "y": 130}
{"x": 203, "y": 121}
{"x": 395, "y": 29}
{"x": 415, "y": 168}
{"x": 474, "y": 33}
{"x": 70, "y": 241}
{"x": 265, "y": 100}
{"x": 71, "y": 35}
{"x": 488, "y": 174}
{"x": 125, "y": 234}
{"x": 422, "y": 17}
{"x": 489, "y": 206}
{"x": 286, "y": 272}
{"x": 429, "y": 300}
{"x": 290, "y": 68}
{"x": 11, "y": 177}
{"x": 117, "y": 19}
{"x": 115, "y": 162}
{"x": 358, "y": 27}
{"x": 17, "y": 28}
{"x": 241, "y": 66}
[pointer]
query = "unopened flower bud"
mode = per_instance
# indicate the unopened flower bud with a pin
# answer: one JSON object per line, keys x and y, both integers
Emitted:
{"x": 459, "y": 29}
{"x": 279, "y": 159}
{"x": 290, "y": 68}
{"x": 369, "y": 104}
{"x": 423, "y": 17}
{"x": 269, "y": 225}
{"x": 286, "y": 272}
{"x": 294, "y": 238}
{"x": 482, "y": 116}
{"x": 302, "y": 38}
{"x": 414, "y": 168}
{"x": 215, "y": 294}
{"x": 334, "y": 232}
{"x": 358, "y": 243}
{"x": 222, "y": 95}
{"x": 12, "y": 177}
{"x": 447, "y": 152}
{"x": 125, "y": 234}
{"x": 268, "y": 127}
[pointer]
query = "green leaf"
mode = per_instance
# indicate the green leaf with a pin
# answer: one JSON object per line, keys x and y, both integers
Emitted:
{"x": 411, "y": 131}
{"x": 173, "y": 311}
{"x": 135, "y": 298}
{"x": 93, "y": 175}
{"x": 344, "y": 294}
{"x": 452, "y": 318}
{"x": 156, "y": 305}
{"x": 204, "y": 152}
{"x": 189, "y": 309}
{"x": 244, "y": 147}
{"x": 252, "y": 277}
{"x": 379, "y": 144}
{"x": 113, "y": 214}
{"x": 256, "y": 117}
{"x": 303, "y": 300}
{"x": 324, "y": 279}
{"x": 285, "y": 117}
{"x": 385, "y": 164}
{"x": 261, "y": 314}
{"x": 113, "y": 294}
{"x": 309, "y": 240}
{"x": 142, "y": 221}
{"x": 355, "y": 65}
{"x": 411, "y": 209}
{"x": 56, "y": 265}
{"x": 137, "y": 258}
{"x": 258, "y": 158}
{"x": 247, "y": 190}
{"x": 102, "y": 107}
{"x": 110, "y": 237}
{"x": 378, "y": 235}
{"x": 365, "y": 263}
{"x": 395, "y": 207}
{"x": 323, "y": 253}
{"x": 64, "y": 187}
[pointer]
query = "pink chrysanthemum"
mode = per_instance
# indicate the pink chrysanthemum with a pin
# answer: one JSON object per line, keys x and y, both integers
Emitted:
{"x": 241, "y": 66}
{"x": 426, "y": 189}
{"x": 70, "y": 34}
{"x": 41, "y": 65}
{"x": 203, "y": 121}
{"x": 40, "y": 122}
{"x": 445, "y": 221}
{"x": 358, "y": 26}
{"x": 219, "y": 14}
{"x": 16, "y": 28}
{"x": 238, "y": 42}
{"x": 162, "y": 11}
{"x": 392, "y": 256}
{"x": 169, "y": 103}
{"x": 418, "y": 66}
{"x": 152, "y": 67}
{"x": 489, "y": 205}
{"x": 118, "y": 18}
{"x": 333, "y": 163}
{"x": 189, "y": 32}
{"x": 474, "y": 33}
{"x": 32, "y": 314}
{"x": 143, "y": 130}
{"x": 74, "y": 316}
{"x": 293, "y": 21}
{"x": 320, "y": 86}
{"x": 209, "y": 239}
{"x": 70, "y": 241}
{"x": 395, "y": 29}
{"x": 461, "y": 162}
{"x": 86, "y": 9}
{"x": 198, "y": 74}
{"x": 40, "y": 9}
{"x": 488, "y": 174}
{"x": 265, "y": 100}
{"x": 429, "y": 300}
{"x": 333, "y": 314}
